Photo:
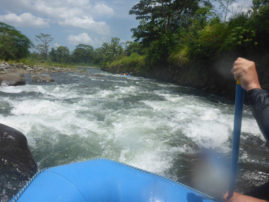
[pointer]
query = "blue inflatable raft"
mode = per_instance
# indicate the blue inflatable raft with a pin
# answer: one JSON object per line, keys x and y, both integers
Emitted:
{"x": 104, "y": 181}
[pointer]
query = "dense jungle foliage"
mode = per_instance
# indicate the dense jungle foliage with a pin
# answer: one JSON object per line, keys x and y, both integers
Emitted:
{"x": 184, "y": 33}
{"x": 194, "y": 44}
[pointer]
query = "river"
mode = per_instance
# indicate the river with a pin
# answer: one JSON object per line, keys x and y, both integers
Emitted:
{"x": 145, "y": 123}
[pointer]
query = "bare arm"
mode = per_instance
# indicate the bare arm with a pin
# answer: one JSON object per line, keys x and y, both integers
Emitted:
{"x": 245, "y": 71}
{"x": 241, "y": 198}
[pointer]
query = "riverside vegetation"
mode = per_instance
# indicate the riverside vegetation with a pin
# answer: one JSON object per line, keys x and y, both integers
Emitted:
{"x": 189, "y": 42}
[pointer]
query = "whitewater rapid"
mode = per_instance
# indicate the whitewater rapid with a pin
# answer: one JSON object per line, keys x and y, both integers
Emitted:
{"x": 137, "y": 121}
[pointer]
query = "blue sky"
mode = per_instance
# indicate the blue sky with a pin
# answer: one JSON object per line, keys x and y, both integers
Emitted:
{"x": 71, "y": 22}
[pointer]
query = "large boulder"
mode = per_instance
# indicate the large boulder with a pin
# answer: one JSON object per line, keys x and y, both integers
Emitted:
{"x": 12, "y": 79}
{"x": 15, "y": 155}
{"x": 42, "y": 78}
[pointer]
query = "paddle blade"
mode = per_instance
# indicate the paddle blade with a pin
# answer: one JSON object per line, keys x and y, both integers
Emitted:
{"x": 211, "y": 173}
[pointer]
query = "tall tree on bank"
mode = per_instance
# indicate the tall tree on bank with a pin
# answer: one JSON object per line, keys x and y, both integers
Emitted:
{"x": 44, "y": 43}
{"x": 159, "y": 17}
{"x": 109, "y": 51}
{"x": 13, "y": 44}
{"x": 258, "y": 4}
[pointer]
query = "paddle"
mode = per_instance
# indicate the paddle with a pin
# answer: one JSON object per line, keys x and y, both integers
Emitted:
{"x": 239, "y": 102}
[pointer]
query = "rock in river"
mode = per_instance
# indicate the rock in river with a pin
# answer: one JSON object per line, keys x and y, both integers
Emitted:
{"x": 15, "y": 156}
{"x": 12, "y": 79}
{"x": 42, "y": 78}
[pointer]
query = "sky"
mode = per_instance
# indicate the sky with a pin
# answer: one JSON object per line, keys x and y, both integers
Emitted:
{"x": 71, "y": 22}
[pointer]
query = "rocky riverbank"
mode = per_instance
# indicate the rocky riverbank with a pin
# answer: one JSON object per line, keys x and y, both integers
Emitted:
{"x": 14, "y": 74}
{"x": 216, "y": 77}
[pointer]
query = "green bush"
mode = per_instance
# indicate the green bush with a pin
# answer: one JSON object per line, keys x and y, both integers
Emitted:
{"x": 179, "y": 56}
{"x": 132, "y": 63}
{"x": 260, "y": 23}
{"x": 209, "y": 41}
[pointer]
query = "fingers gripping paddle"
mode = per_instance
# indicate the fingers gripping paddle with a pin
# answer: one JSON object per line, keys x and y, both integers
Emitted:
{"x": 239, "y": 102}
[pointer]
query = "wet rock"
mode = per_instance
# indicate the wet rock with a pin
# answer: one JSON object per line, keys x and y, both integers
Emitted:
{"x": 4, "y": 67}
{"x": 15, "y": 156}
{"x": 42, "y": 78}
{"x": 28, "y": 68}
{"x": 12, "y": 79}
{"x": 13, "y": 74}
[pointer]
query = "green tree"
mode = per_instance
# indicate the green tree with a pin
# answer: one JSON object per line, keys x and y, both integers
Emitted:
{"x": 52, "y": 55}
{"x": 44, "y": 43}
{"x": 83, "y": 54}
{"x": 98, "y": 56}
{"x": 62, "y": 54}
{"x": 257, "y": 4}
{"x": 159, "y": 50}
{"x": 110, "y": 51}
{"x": 115, "y": 48}
{"x": 260, "y": 24}
{"x": 13, "y": 44}
{"x": 158, "y": 17}
{"x": 133, "y": 47}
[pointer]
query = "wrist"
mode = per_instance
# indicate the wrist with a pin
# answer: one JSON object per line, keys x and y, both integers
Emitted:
{"x": 253, "y": 86}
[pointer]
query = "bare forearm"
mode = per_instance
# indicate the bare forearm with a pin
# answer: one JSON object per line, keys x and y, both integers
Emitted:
{"x": 242, "y": 198}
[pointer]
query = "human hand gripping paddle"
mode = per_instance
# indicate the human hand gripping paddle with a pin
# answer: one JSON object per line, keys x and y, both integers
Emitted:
{"x": 245, "y": 71}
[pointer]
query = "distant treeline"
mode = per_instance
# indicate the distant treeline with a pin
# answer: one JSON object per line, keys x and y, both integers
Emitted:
{"x": 82, "y": 54}
{"x": 16, "y": 46}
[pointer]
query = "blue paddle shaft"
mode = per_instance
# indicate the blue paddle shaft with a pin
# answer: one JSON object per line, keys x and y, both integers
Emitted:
{"x": 239, "y": 102}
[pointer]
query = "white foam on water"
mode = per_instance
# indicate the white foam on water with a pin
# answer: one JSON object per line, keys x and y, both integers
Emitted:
{"x": 40, "y": 107}
{"x": 206, "y": 124}
{"x": 249, "y": 125}
{"x": 59, "y": 91}
{"x": 140, "y": 135}
{"x": 136, "y": 137}
{"x": 10, "y": 89}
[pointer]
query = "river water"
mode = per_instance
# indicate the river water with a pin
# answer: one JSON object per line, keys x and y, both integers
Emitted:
{"x": 141, "y": 122}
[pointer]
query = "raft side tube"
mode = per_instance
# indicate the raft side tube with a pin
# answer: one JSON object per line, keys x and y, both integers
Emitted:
{"x": 105, "y": 181}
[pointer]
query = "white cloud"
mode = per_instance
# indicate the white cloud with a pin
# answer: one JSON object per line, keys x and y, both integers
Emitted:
{"x": 240, "y": 6}
{"x": 24, "y": 20}
{"x": 236, "y": 7}
{"x": 82, "y": 38}
{"x": 56, "y": 45}
{"x": 74, "y": 13}
{"x": 87, "y": 23}
{"x": 102, "y": 9}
